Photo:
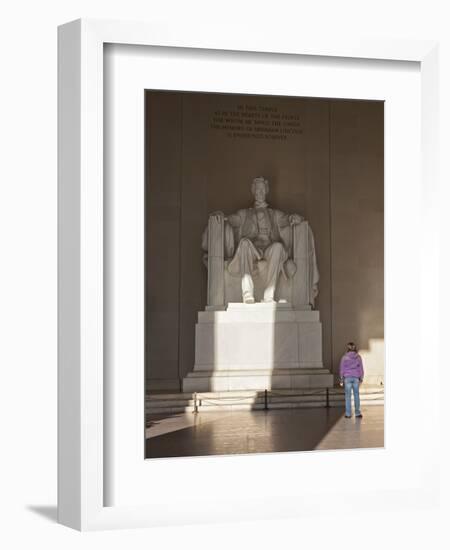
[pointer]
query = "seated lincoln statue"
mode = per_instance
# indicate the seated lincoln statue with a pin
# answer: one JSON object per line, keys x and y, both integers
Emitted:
{"x": 260, "y": 245}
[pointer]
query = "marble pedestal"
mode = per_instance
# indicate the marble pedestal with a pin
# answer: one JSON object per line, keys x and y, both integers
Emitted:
{"x": 257, "y": 346}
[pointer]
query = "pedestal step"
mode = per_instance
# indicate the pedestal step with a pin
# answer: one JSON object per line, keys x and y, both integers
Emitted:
{"x": 256, "y": 379}
{"x": 174, "y": 403}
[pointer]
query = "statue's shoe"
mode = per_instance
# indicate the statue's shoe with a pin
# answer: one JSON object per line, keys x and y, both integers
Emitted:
{"x": 249, "y": 300}
{"x": 269, "y": 301}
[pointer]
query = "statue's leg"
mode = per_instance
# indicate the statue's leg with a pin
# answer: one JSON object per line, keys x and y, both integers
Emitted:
{"x": 275, "y": 255}
{"x": 248, "y": 296}
{"x": 247, "y": 255}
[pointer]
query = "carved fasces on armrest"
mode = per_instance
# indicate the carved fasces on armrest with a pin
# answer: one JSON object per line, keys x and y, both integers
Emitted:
{"x": 228, "y": 236}
{"x": 306, "y": 278}
{"x": 215, "y": 239}
{"x": 216, "y": 236}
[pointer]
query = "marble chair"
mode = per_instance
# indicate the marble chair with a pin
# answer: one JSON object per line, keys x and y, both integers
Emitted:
{"x": 298, "y": 288}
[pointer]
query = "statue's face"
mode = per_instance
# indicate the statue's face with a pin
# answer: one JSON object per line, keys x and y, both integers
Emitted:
{"x": 260, "y": 191}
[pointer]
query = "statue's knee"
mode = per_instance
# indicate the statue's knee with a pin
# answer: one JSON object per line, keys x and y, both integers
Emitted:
{"x": 245, "y": 244}
{"x": 275, "y": 248}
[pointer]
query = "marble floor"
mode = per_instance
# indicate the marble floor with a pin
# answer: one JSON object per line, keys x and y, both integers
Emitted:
{"x": 242, "y": 432}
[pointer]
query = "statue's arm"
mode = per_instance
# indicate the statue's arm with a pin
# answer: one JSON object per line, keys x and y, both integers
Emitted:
{"x": 232, "y": 229}
{"x": 282, "y": 219}
{"x": 219, "y": 217}
{"x": 228, "y": 238}
{"x": 295, "y": 219}
{"x": 285, "y": 220}
{"x": 286, "y": 225}
{"x": 235, "y": 220}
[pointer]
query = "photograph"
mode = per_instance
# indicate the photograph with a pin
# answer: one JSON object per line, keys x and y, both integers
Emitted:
{"x": 225, "y": 262}
{"x": 264, "y": 274}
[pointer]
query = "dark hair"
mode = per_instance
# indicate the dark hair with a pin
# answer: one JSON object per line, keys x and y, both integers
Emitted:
{"x": 351, "y": 346}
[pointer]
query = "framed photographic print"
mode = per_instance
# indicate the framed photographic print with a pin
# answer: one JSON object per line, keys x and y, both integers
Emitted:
{"x": 246, "y": 231}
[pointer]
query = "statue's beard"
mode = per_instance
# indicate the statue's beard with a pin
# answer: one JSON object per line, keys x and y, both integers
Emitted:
{"x": 260, "y": 204}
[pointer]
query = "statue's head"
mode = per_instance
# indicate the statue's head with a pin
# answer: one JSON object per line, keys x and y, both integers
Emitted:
{"x": 260, "y": 188}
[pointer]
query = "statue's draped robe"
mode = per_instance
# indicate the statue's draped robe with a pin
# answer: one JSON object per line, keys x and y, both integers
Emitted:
{"x": 244, "y": 246}
{"x": 244, "y": 225}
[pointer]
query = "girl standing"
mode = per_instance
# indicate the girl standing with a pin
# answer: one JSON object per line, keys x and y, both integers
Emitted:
{"x": 351, "y": 373}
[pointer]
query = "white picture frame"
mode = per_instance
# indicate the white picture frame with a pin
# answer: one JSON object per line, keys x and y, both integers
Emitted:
{"x": 82, "y": 484}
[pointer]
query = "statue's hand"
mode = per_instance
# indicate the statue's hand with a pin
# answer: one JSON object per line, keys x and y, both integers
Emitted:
{"x": 218, "y": 215}
{"x": 295, "y": 219}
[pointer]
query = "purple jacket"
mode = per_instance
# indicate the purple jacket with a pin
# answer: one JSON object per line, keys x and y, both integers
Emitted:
{"x": 351, "y": 365}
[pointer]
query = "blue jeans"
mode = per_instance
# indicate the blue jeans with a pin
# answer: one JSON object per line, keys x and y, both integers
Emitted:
{"x": 351, "y": 383}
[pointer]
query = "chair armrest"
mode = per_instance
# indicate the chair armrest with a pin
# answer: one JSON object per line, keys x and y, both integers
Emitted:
{"x": 306, "y": 278}
{"x": 216, "y": 283}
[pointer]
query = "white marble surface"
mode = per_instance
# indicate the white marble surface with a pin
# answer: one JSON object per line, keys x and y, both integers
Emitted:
{"x": 237, "y": 312}
{"x": 258, "y": 346}
{"x": 260, "y": 254}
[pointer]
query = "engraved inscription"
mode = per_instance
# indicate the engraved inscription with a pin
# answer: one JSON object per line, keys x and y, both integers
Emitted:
{"x": 257, "y": 122}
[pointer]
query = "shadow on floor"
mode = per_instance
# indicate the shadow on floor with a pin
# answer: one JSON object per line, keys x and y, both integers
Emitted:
{"x": 243, "y": 432}
{"x": 48, "y": 512}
